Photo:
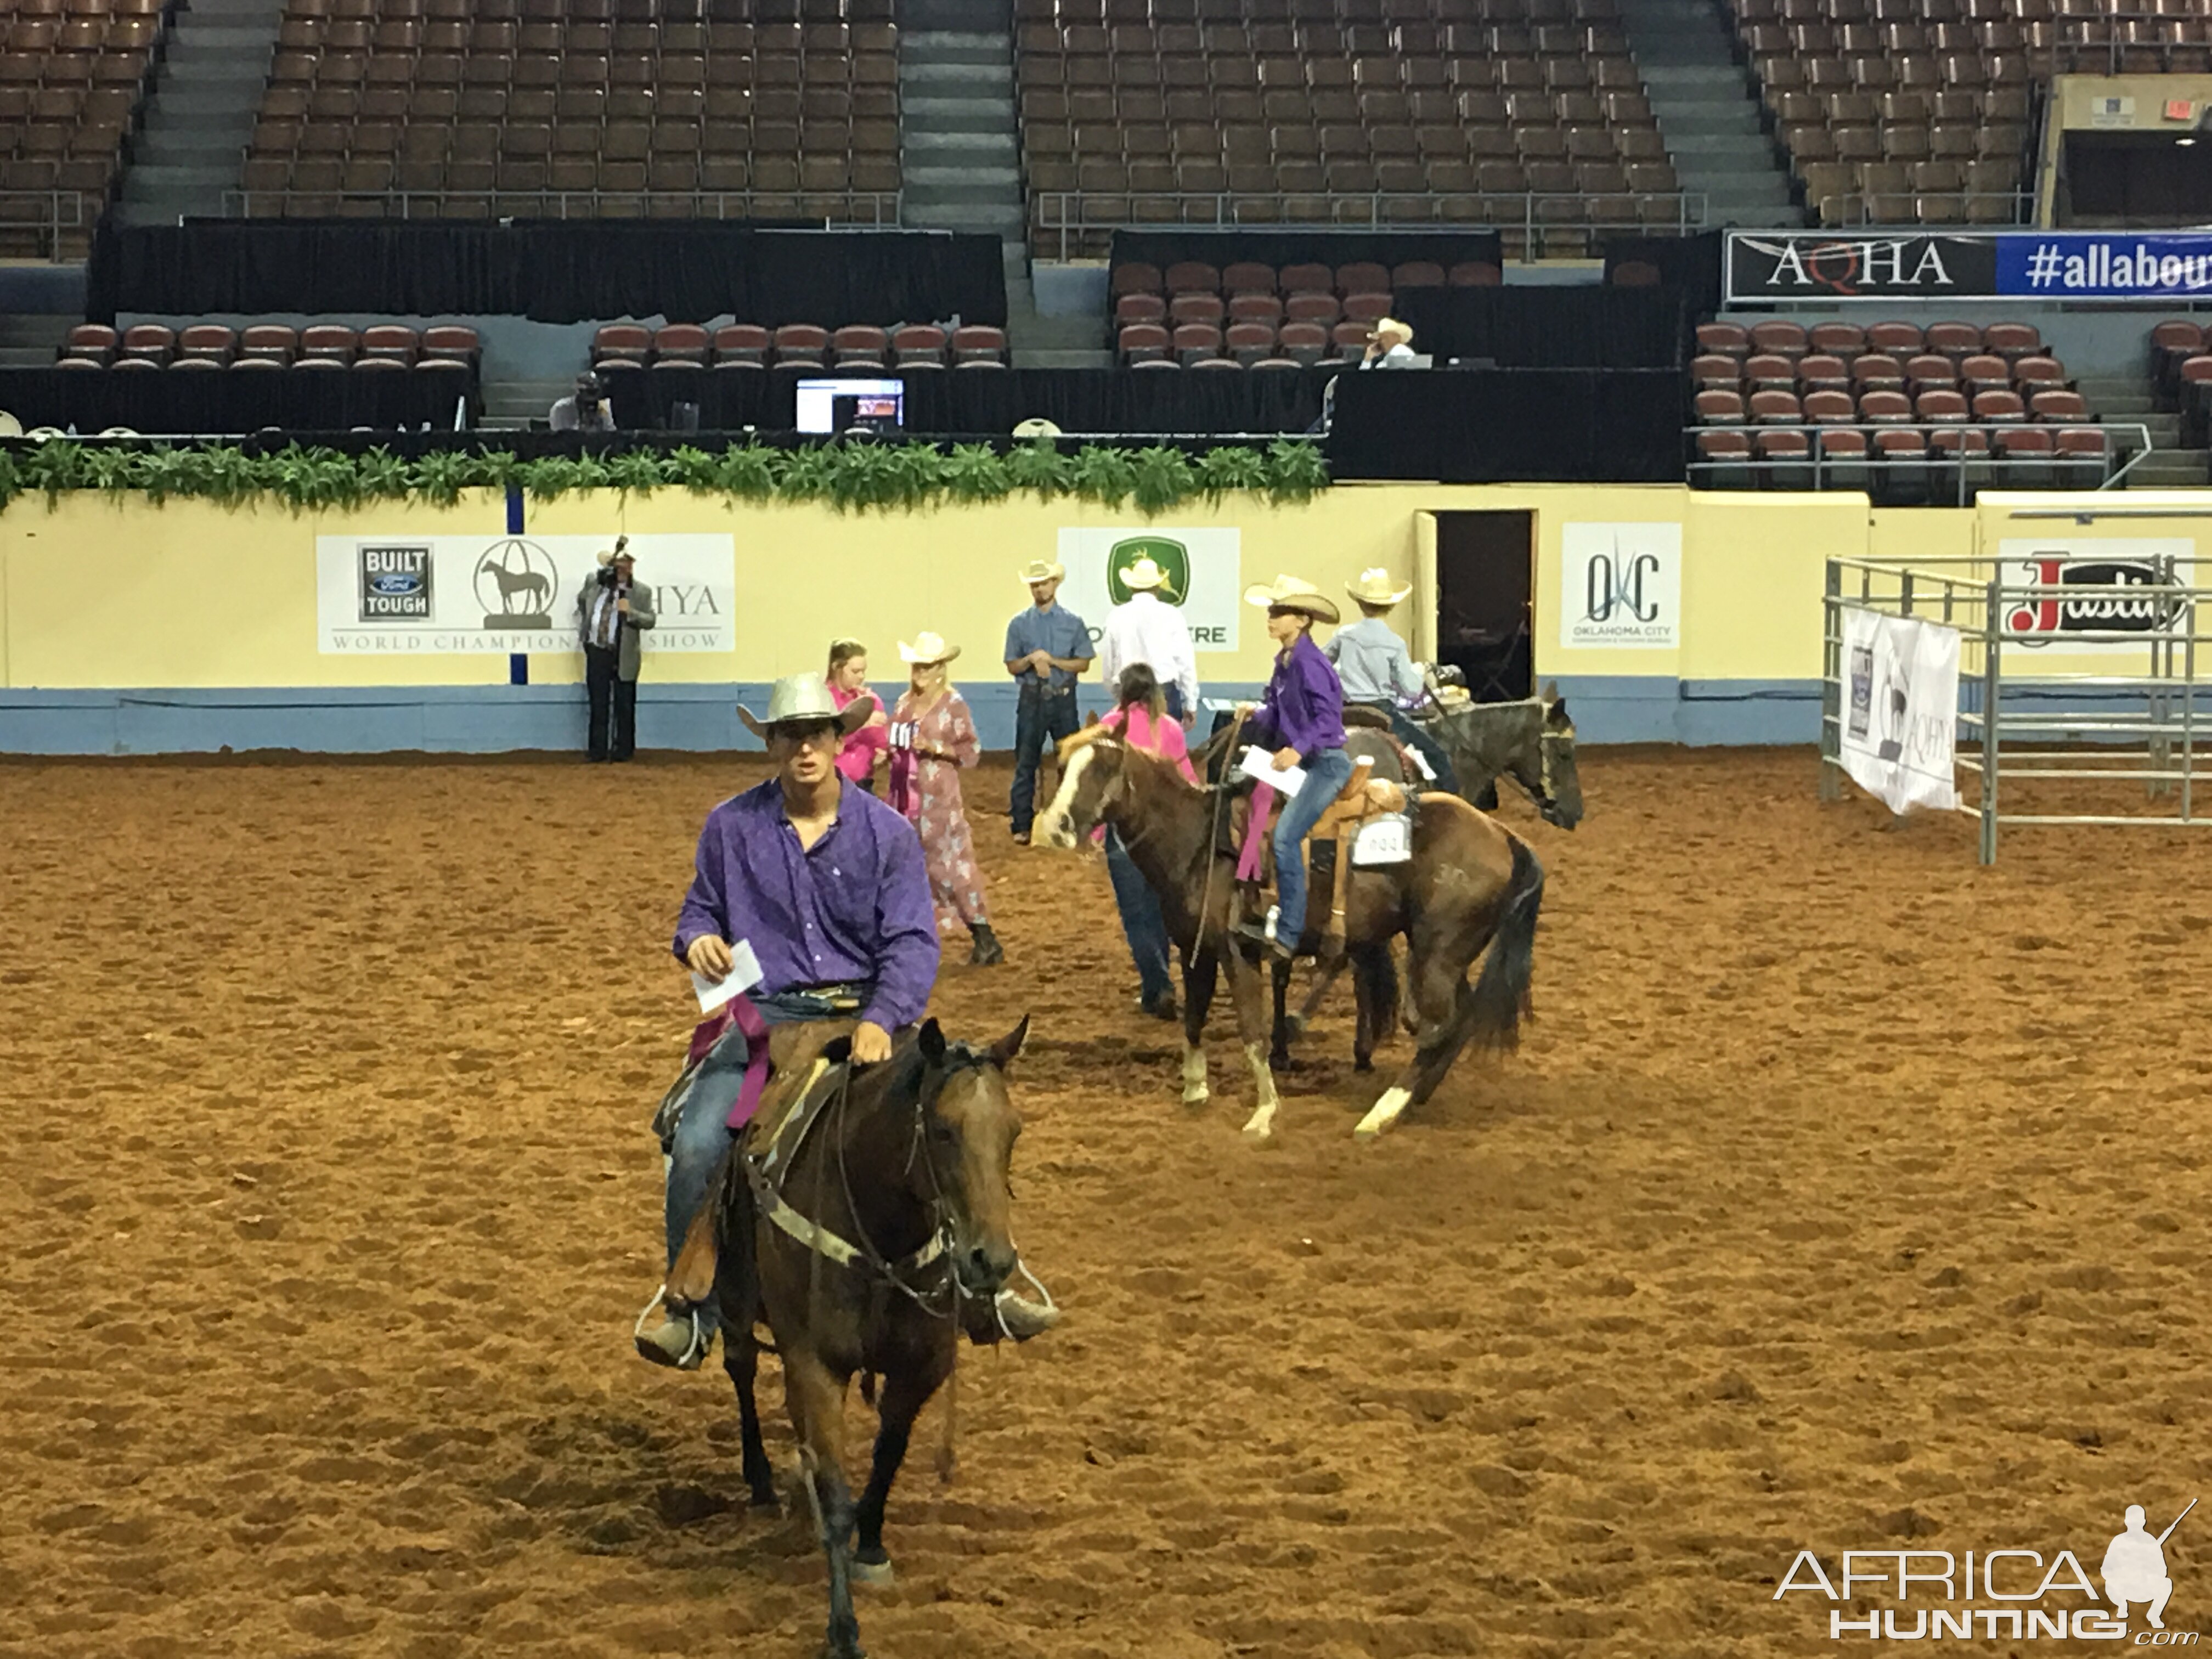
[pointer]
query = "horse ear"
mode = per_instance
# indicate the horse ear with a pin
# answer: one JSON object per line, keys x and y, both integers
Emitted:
{"x": 1551, "y": 692}
{"x": 1003, "y": 1050}
{"x": 1556, "y": 714}
{"x": 932, "y": 1038}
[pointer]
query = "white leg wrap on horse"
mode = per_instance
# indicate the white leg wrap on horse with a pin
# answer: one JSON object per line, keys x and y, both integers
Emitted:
{"x": 1260, "y": 1126}
{"x": 1194, "y": 1092}
{"x": 1383, "y": 1113}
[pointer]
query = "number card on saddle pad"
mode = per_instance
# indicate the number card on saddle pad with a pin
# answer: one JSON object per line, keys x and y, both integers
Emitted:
{"x": 1386, "y": 839}
{"x": 1901, "y": 709}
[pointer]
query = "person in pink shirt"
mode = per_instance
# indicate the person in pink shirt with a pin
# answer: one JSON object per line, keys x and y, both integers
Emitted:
{"x": 848, "y": 679}
{"x": 1140, "y": 715}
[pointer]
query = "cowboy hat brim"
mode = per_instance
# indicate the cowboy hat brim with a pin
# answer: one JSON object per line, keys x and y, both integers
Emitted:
{"x": 849, "y": 719}
{"x": 1316, "y": 605}
{"x": 913, "y": 658}
{"x": 1378, "y": 595}
{"x": 1043, "y": 571}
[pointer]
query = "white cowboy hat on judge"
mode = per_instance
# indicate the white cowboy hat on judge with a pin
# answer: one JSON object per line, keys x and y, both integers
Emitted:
{"x": 1375, "y": 586}
{"x": 1289, "y": 593}
{"x": 804, "y": 700}
{"x": 926, "y": 649}
{"x": 1143, "y": 575}
{"x": 1043, "y": 570}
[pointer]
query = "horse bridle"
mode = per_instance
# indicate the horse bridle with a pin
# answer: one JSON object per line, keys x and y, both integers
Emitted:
{"x": 863, "y": 1255}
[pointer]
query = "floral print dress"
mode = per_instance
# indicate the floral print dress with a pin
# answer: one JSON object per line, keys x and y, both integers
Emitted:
{"x": 928, "y": 792}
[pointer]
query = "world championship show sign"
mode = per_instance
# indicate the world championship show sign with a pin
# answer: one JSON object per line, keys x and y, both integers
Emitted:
{"x": 1828, "y": 267}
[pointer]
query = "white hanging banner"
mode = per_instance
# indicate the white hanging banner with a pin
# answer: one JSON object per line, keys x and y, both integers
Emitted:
{"x": 1901, "y": 709}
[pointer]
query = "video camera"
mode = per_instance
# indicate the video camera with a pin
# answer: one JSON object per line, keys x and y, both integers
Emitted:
{"x": 608, "y": 575}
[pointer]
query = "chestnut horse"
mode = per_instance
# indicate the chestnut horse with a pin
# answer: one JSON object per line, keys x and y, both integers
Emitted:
{"x": 857, "y": 1243}
{"x": 1469, "y": 884}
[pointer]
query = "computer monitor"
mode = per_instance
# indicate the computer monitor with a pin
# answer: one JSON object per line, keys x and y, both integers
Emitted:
{"x": 839, "y": 405}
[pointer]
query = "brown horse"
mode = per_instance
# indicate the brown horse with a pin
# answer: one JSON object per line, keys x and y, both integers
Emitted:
{"x": 1468, "y": 885}
{"x": 856, "y": 1231}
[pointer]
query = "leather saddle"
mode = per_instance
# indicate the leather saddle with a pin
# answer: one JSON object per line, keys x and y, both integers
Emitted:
{"x": 1364, "y": 798}
{"x": 806, "y": 1063}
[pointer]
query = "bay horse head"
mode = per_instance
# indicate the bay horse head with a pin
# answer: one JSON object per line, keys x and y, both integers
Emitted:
{"x": 968, "y": 1129}
{"x": 1090, "y": 782}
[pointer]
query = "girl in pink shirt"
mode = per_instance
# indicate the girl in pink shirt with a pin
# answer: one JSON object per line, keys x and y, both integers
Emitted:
{"x": 1140, "y": 715}
{"x": 849, "y": 679}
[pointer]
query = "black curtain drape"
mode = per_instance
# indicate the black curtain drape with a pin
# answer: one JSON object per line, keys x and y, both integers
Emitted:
{"x": 1691, "y": 265}
{"x": 1510, "y": 426}
{"x": 233, "y": 401}
{"x": 979, "y": 402}
{"x": 1584, "y": 327}
{"x": 1296, "y": 248}
{"x": 552, "y": 271}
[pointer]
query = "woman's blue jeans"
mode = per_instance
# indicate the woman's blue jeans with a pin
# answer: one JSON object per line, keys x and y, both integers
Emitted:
{"x": 1326, "y": 772}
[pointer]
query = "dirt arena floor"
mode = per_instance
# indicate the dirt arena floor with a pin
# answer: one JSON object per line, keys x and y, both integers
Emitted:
{"x": 1844, "y": 1195}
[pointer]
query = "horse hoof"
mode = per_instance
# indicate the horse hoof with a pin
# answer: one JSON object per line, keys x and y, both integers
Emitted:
{"x": 1198, "y": 1099}
{"x": 1382, "y": 1114}
{"x": 872, "y": 1572}
{"x": 1260, "y": 1132}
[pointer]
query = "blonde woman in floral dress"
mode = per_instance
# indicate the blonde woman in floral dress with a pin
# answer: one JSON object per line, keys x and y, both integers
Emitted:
{"x": 934, "y": 736}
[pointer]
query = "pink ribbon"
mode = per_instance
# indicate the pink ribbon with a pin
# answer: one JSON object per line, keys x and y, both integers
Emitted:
{"x": 740, "y": 1012}
{"x": 1256, "y": 832}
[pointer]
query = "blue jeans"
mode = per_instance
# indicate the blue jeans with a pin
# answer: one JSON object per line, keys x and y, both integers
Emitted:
{"x": 1141, "y": 922}
{"x": 1326, "y": 772}
{"x": 702, "y": 1131}
{"x": 1040, "y": 717}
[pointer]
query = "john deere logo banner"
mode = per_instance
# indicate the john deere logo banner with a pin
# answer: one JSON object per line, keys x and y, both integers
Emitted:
{"x": 1200, "y": 571}
{"x": 1159, "y": 565}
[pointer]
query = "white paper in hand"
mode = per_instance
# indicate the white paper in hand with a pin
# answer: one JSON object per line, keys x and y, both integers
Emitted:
{"x": 744, "y": 974}
{"x": 1259, "y": 765}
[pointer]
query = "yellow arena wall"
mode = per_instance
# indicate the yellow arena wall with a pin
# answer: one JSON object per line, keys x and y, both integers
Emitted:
{"x": 131, "y": 627}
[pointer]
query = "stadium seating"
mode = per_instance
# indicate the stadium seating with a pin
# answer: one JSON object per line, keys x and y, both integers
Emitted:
{"x": 1527, "y": 114}
{"x": 1906, "y": 398}
{"x": 1899, "y": 112}
{"x": 1259, "y": 316}
{"x": 200, "y": 346}
{"x": 71, "y": 75}
{"x": 858, "y": 347}
{"x": 492, "y": 107}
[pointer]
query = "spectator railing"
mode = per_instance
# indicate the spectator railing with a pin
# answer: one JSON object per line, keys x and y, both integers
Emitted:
{"x": 42, "y": 216}
{"x": 1533, "y": 215}
{"x": 2122, "y": 43}
{"x": 852, "y": 209}
{"x": 1960, "y": 472}
{"x": 1877, "y": 209}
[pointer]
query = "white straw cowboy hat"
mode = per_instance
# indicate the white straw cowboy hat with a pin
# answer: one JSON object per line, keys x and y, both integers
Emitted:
{"x": 10, "y": 426}
{"x": 1035, "y": 427}
{"x": 1389, "y": 328}
{"x": 1375, "y": 588}
{"x": 1044, "y": 570}
{"x": 1144, "y": 574}
{"x": 1289, "y": 593}
{"x": 804, "y": 700}
{"x": 927, "y": 648}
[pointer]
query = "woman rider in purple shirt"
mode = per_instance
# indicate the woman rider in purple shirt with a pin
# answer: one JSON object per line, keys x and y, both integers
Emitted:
{"x": 1302, "y": 715}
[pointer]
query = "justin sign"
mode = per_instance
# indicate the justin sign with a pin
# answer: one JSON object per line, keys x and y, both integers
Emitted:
{"x": 451, "y": 595}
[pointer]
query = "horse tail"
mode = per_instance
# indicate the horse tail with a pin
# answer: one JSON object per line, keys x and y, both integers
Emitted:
{"x": 1500, "y": 1000}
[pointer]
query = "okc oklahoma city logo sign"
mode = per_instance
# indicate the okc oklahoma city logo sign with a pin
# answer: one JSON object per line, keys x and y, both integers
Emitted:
{"x": 2012, "y": 1595}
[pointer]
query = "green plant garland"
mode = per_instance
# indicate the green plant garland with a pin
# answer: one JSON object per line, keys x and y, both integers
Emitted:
{"x": 851, "y": 478}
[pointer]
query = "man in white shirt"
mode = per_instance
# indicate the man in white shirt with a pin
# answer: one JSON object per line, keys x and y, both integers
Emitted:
{"x": 1147, "y": 630}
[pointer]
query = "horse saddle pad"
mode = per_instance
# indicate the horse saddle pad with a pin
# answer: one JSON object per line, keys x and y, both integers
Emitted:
{"x": 1365, "y": 798}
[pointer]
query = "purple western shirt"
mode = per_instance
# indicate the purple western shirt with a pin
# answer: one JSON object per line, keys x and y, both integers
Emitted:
{"x": 1304, "y": 708}
{"x": 853, "y": 908}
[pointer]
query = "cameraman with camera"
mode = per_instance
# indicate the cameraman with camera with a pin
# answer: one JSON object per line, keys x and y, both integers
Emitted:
{"x": 586, "y": 410}
{"x": 610, "y": 612}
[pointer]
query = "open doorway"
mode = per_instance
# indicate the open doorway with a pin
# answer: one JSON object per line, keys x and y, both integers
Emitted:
{"x": 1485, "y": 574}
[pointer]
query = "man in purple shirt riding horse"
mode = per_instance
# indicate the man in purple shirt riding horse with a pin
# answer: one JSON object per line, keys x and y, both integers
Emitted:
{"x": 826, "y": 883}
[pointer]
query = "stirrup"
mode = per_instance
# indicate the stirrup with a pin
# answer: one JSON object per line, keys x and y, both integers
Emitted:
{"x": 700, "y": 1341}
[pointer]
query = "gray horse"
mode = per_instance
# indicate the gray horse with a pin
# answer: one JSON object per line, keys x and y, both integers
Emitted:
{"x": 1532, "y": 741}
